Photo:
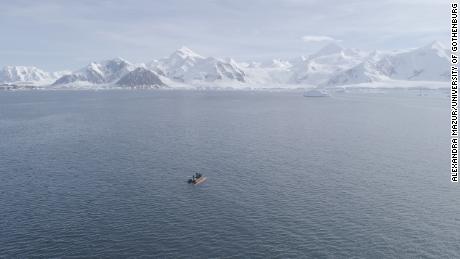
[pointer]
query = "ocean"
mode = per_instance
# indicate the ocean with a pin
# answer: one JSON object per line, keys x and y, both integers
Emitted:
{"x": 360, "y": 174}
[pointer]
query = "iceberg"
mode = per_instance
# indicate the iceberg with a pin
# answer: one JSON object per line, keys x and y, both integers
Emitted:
{"x": 316, "y": 93}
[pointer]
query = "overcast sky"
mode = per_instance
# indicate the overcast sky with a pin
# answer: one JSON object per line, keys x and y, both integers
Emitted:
{"x": 56, "y": 35}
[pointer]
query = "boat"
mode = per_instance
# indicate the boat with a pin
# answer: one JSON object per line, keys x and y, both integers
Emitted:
{"x": 197, "y": 179}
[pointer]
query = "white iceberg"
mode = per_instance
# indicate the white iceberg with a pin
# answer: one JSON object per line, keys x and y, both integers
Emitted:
{"x": 316, "y": 93}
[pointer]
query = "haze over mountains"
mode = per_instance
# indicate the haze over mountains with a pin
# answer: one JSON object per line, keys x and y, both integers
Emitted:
{"x": 333, "y": 65}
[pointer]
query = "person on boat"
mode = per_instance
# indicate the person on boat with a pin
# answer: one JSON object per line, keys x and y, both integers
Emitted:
{"x": 195, "y": 178}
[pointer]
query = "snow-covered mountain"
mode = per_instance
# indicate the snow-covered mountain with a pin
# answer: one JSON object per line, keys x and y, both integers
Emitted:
{"x": 365, "y": 72}
{"x": 107, "y": 71}
{"x": 330, "y": 66}
{"x": 428, "y": 63}
{"x": 184, "y": 65}
{"x": 324, "y": 64}
{"x": 24, "y": 74}
{"x": 141, "y": 77}
{"x": 275, "y": 71}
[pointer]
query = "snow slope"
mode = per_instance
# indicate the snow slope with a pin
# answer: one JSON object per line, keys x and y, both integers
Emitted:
{"x": 428, "y": 63}
{"x": 107, "y": 71}
{"x": 324, "y": 64}
{"x": 24, "y": 74}
{"x": 184, "y": 65}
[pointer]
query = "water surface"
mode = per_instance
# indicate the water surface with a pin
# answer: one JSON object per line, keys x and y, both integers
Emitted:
{"x": 360, "y": 174}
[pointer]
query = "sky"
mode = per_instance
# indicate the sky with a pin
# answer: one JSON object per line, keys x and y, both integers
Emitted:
{"x": 64, "y": 34}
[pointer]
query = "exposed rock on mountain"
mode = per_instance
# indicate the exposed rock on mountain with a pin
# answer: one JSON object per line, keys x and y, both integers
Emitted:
{"x": 141, "y": 77}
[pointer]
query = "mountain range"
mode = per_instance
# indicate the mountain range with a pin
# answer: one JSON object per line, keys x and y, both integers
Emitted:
{"x": 331, "y": 66}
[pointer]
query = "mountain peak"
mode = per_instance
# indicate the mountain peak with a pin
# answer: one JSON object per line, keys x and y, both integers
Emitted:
{"x": 10, "y": 67}
{"x": 114, "y": 61}
{"x": 186, "y": 52}
{"x": 119, "y": 60}
{"x": 436, "y": 47}
{"x": 329, "y": 49}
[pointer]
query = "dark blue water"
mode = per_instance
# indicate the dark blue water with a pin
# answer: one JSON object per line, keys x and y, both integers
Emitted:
{"x": 357, "y": 175}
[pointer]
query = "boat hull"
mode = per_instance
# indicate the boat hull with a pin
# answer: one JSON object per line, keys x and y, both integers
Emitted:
{"x": 199, "y": 180}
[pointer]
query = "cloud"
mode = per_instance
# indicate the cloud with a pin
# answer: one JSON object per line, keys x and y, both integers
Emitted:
{"x": 317, "y": 38}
